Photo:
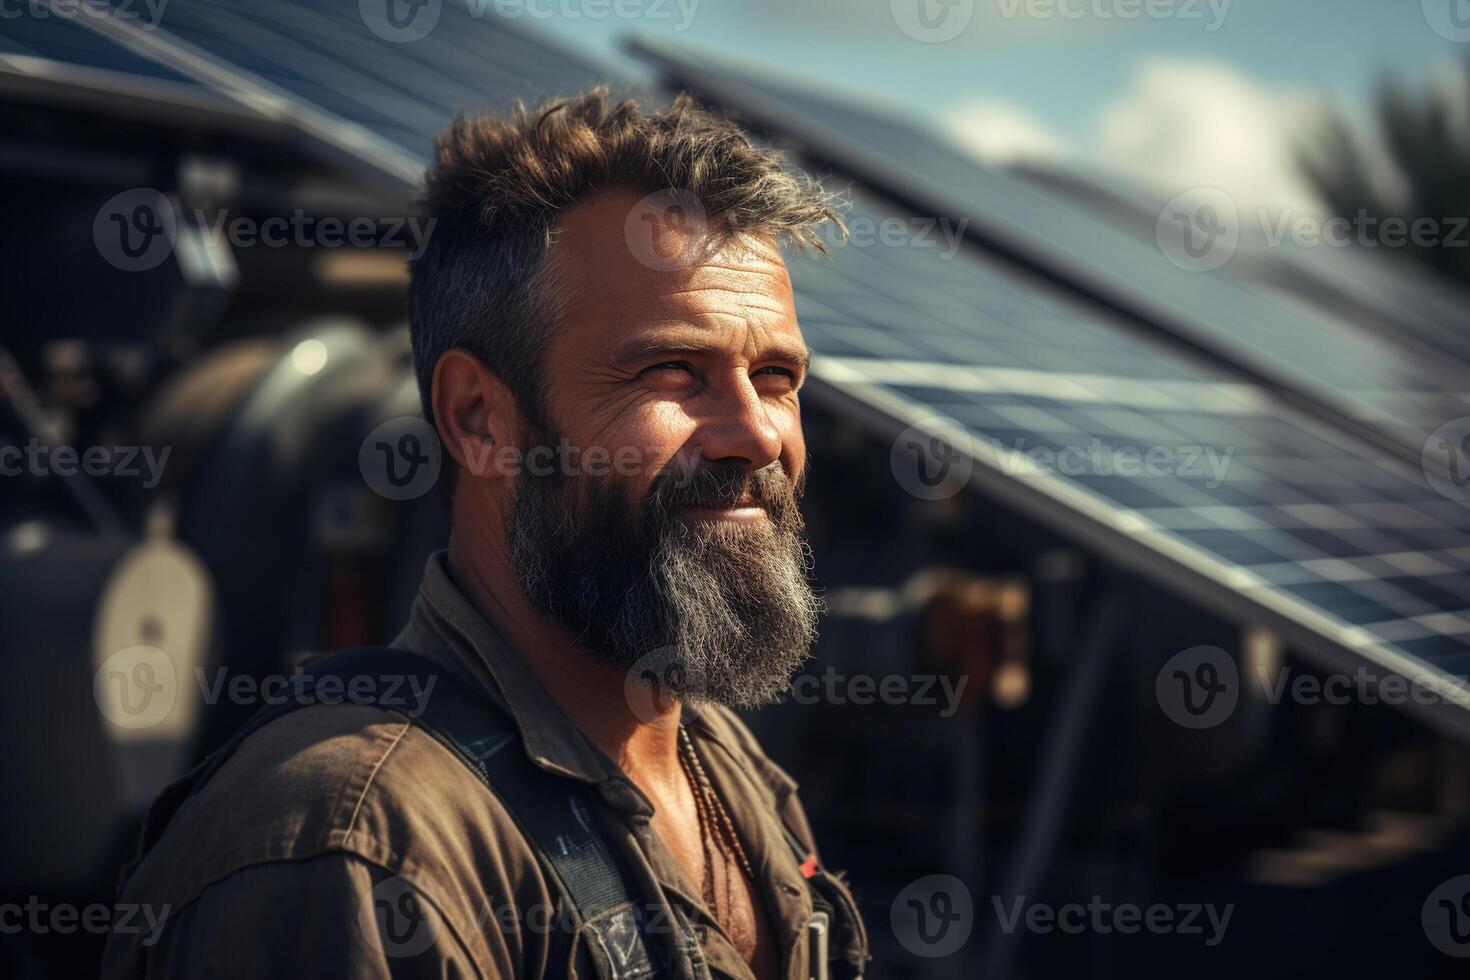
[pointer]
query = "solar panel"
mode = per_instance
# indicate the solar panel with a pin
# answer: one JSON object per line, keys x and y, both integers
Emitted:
{"x": 349, "y": 78}
{"x": 25, "y": 40}
{"x": 326, "y": 55}
{"x": 1348, "y": 376}
{"x": 1267, "y": 510}
{"x": 1384, "y": 293}
{"x": 79, "y": 60}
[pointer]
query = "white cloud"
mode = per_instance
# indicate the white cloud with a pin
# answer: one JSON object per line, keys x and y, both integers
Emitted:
{"x": 1178, "y": 124}
{"x": 1001, "y": 132}
{"x": 1184, "y": 124}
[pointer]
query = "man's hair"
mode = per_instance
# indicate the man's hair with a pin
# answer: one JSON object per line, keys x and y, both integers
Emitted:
{"x": 497, "y": 186}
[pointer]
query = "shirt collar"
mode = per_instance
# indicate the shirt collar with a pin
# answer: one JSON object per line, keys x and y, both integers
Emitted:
{"x": 447, "y": 627}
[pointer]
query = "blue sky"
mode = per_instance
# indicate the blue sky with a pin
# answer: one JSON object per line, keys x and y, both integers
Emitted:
{"x": 1098, "y": 84}
{"x": 1061, "y": 67}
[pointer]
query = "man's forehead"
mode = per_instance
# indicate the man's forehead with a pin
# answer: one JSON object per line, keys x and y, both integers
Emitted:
{"x": 620, "y": 245}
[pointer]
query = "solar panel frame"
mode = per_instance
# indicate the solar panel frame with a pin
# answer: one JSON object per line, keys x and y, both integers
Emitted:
{"x": 39, "y": 80}
{"x": 68, "y": 41}
{"x": 105, "y": 80}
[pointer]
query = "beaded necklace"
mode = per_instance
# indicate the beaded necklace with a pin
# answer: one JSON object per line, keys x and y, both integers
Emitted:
{"x": 716, "y": 829}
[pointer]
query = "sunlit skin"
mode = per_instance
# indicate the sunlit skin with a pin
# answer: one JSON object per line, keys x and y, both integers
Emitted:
{"x": 702, "y": 361}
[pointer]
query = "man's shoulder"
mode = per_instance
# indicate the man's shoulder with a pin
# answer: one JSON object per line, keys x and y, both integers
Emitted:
{"x": 322, "y": 779}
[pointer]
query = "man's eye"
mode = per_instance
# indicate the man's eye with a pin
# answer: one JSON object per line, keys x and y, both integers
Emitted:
{"x": 779, "y": 372}
{"x": 664, "y": 370}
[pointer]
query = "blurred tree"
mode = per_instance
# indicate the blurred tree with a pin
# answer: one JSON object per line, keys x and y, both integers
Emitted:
{"x": 1413, "y": 164}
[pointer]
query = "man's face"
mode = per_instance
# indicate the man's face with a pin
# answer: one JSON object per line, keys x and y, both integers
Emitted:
{"x": 701, "y": 359}
{"x": 687, "y": 545}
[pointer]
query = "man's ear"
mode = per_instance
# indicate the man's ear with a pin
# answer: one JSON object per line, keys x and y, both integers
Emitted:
{"x": 474, "y": 411}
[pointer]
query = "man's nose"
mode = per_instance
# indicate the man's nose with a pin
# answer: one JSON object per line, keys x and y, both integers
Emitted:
{"x": 738, "y": 428}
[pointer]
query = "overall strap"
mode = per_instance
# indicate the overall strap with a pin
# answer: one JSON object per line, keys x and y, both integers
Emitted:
{"x": 556, "y": 814}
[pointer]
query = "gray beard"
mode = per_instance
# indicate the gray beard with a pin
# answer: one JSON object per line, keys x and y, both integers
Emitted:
{"x": 703, "y": 611}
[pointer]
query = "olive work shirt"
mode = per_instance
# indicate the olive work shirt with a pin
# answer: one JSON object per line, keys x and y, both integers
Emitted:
{"x": 295, "y": 858}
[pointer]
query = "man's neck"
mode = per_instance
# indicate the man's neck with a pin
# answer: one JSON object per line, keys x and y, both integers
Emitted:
{"x": 590, "y": 694}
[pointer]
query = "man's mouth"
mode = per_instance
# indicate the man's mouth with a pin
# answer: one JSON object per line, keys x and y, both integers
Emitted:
{"x": 745, "y": 510}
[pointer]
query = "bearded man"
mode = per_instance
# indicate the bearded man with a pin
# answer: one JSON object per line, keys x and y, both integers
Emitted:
{"x": 606, "y": 343}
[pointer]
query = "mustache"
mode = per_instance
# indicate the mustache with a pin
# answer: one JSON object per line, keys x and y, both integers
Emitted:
{"x": 723, "y": 485}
